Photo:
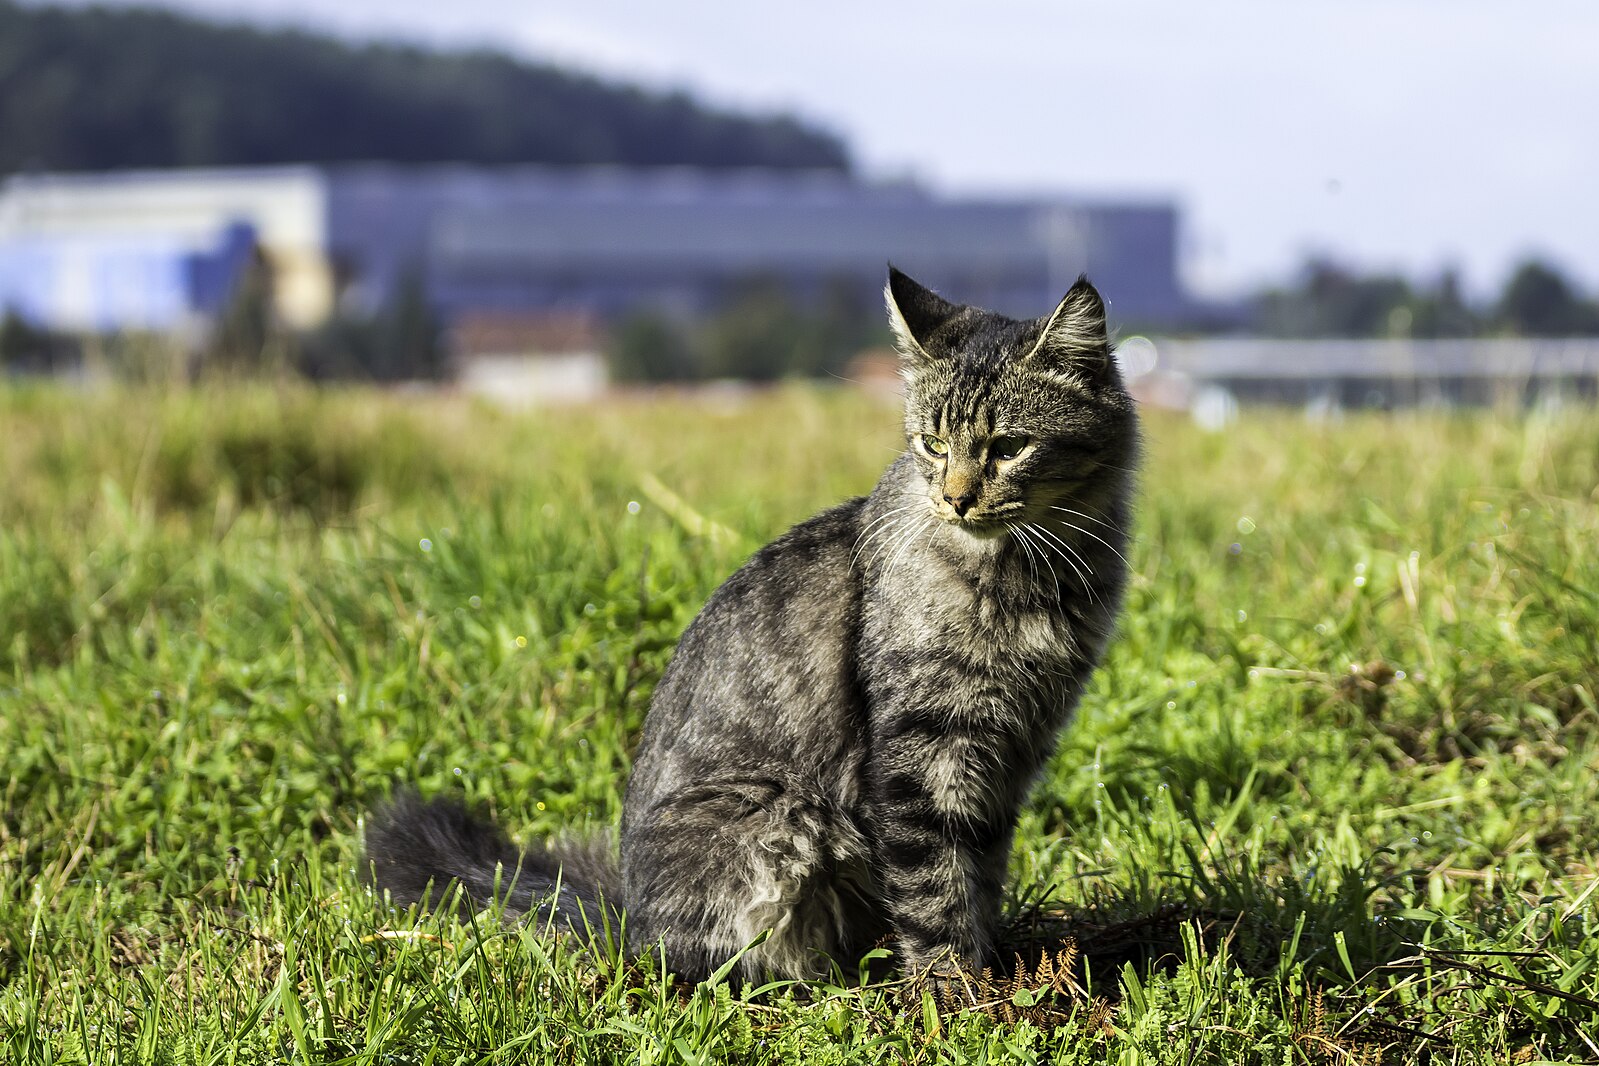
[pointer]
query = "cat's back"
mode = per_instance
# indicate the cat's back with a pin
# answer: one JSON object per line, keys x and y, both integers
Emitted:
{"x": 767, "y": 670}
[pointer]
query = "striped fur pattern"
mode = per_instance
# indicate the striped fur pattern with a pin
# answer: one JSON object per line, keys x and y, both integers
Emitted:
{"x": 840, "y": 747}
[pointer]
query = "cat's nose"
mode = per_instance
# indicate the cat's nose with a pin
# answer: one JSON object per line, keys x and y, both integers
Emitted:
{"x": 962, "y": 504}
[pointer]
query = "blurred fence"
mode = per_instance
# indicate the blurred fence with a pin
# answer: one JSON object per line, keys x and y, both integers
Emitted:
{"x": 1337, "y": 374}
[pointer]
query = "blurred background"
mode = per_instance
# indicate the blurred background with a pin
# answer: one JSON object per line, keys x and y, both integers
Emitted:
{"x": 1358, "y": 204}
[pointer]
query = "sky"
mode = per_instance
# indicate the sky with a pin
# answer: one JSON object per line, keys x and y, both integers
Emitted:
{"x": 1406, "y": 135}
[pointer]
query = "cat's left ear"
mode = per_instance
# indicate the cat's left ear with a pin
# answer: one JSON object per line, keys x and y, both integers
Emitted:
{"x": 914, "y": 312}
{"x": 1074, "y": 336}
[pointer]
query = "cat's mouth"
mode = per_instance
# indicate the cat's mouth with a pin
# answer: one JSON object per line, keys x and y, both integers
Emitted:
{"x": 982, "y": 526}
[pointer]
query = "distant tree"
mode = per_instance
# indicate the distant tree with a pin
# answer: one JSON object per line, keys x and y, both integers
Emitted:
{"x": 843, "y": 320}
{"x": 409, "y": 346}
{"x": 759, "y": 336}
{"x": 1538, "y": 301}
{"x": 1442, "y": 311}
{"x": 652, "y": 348}
{"x": 767, "y": 331}
{"x": 247, "y": 339}
{"x": 1332, "y": 301}
{"x": 401, "y": 342}
{"x": 93, "y": 88}
{"x": 27, "y": 349}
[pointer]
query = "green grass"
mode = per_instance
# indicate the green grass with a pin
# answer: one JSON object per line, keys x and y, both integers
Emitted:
{"x": 1331, "y": 798}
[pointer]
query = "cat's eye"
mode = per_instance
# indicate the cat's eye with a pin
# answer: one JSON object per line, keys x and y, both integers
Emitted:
{"x": 935, "y": 445}
{"x": 1006, "y": 447}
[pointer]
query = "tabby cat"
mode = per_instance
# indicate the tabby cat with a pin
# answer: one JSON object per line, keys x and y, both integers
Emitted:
{"x": 840, "y": 746}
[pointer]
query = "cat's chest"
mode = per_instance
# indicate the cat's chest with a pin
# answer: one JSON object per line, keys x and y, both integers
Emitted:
{"x": 942, "y": 613}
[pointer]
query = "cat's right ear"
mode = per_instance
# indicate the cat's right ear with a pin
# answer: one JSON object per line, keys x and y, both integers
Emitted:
{"x": 1074, "y": 336}
{"x": 914, "y": 312}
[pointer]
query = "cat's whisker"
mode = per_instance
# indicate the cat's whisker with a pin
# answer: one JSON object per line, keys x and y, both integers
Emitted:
{"x": 1032, "y": 562}
{"x": 905, "y": 527}
{"x": 1046, "y": 549}
{"x": 1026, "y": 538}
{"x": 871, "y": 531}
{"x": 1065, "y": 546}
{"x": 1068, "y": 555}
{"x": 1098, "y": 517}
{"x": 910, "y": 540}
{"x": 1088, "y": 533}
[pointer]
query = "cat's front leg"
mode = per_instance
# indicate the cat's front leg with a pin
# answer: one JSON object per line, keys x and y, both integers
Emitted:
{"x": 942, "y": 840}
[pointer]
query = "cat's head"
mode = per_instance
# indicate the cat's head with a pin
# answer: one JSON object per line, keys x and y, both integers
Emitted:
{"x": 1008, "y": 419}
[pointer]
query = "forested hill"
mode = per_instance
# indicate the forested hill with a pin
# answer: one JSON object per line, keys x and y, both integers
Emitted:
{"x": 96, "y": 88}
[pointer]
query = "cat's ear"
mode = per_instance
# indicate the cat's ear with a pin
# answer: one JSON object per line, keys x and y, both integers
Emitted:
{"x": 1074, "y": 336}
{"x": 914, "y": 312}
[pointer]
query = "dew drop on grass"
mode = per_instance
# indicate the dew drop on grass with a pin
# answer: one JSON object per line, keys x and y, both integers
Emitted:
{"x": 1246, "y": 525}
{"x": 1360, "y": 581}
{"x": 1235, "y": 548}
{"x": 1321, "y": 627}
{"x": 589, "y": 608}
{"x": 425, "y": 544}
{"x": 457, "y": 771}
{"x": 1171, "y": 705}
{"x": 1243, "y": 616}
{"x": 475, "y": 602}
{"x": 633, "y": 507}
{"x": 521, "y": 642}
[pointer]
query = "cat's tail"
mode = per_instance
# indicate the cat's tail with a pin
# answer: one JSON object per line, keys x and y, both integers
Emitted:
{"x": 415, "y": 850}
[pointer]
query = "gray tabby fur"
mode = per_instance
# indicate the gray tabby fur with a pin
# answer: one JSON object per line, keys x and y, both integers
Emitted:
{"x": 842, "y": 742}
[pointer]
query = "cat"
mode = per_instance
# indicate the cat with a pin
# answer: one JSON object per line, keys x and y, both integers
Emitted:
{"x": 841, "y": 744}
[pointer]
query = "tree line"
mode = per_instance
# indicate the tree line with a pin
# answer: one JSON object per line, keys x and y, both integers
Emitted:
{"x": 100, "y": 88}
{"x": 1330, "y": 300}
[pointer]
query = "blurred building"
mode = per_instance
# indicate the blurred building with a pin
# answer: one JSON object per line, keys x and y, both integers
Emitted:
{"x": 156, "y": 250}
{"x": 529, "y": 358}
{"x": 115, "y": 250}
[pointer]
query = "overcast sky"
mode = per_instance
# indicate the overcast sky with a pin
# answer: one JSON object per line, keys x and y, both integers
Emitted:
{"x": 1404, "y": 134}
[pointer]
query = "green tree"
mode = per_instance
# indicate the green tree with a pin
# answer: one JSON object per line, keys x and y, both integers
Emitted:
{"x": 760, "y": 336}
{"x": 402, "y": 342}
{"x": 247, "y": 339}
{"x": 92, "y": 88}
{"x": 1538, "y": 301}
{"x": 1442, "y": 311}
{"x": 653, "y": 348}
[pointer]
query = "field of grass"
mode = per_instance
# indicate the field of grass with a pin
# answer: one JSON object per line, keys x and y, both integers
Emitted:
{"x": 1331, "y": 799}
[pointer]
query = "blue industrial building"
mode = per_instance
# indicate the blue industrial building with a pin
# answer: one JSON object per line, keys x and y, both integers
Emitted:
{"x": 148, "y": 249}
